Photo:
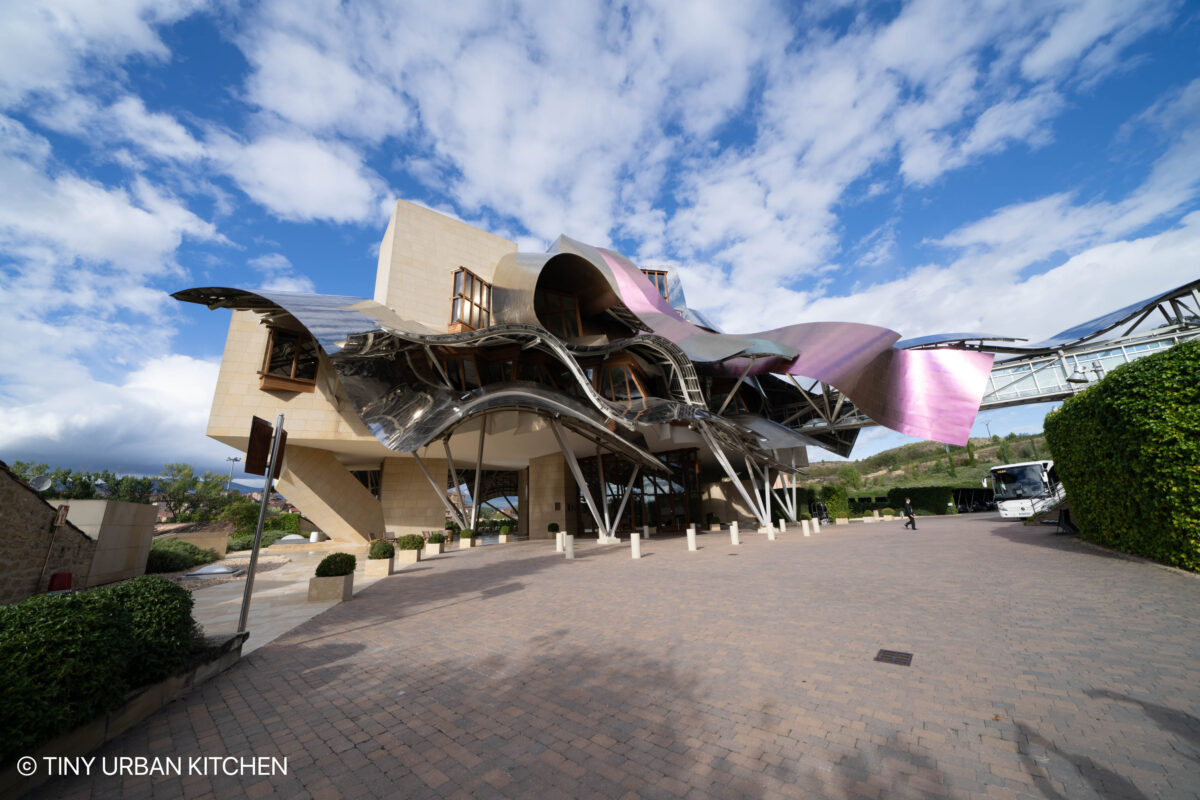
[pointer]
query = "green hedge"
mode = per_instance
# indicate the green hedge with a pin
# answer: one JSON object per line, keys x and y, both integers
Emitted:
{"x": 67, "y": 659}
{"x": 926, "y": 500}
{"x": 437, "y": 538}
{"x": 173, "y": 555}
{"x": 1128, "y": 453}
{"x": 411, "y": 541}
{"x": 837, "y": 500}
{"x": 163, "y": 628}
{"x": 287, "y": 523}
{"x": 245, "y": 541}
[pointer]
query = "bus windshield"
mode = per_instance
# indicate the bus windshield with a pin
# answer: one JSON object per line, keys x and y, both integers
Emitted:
{"x": 1012, "y": 482}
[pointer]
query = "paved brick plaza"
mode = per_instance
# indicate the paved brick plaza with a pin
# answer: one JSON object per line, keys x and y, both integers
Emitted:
{"x": 1042, "y": 668}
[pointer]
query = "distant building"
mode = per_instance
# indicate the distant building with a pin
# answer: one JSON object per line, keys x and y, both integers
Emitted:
{"x": 577, "y": 382}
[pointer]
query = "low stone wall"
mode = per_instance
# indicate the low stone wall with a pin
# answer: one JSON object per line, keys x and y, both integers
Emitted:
{"x": 122, "y": 532}
{"x": 139, "y": 704}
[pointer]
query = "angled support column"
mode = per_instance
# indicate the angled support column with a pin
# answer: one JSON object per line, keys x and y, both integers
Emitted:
{"x": 637, "y": 469}
{"x": 454, "y": 479}
{"x": 608, "y": 528}
{"x": 441, "y": 492}
{"x": 759, "y": 494}
{"x": 569, "y": 456}
{"x": 478, "y": 473}
{"x": 719, "y": 454}
{"x": 736, "y": 386}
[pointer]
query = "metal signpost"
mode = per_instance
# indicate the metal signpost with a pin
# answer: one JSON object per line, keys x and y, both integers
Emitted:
{"x": 260, "y": 429}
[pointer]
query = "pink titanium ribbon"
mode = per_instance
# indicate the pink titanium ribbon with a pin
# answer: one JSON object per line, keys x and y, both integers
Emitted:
{"x": 930, "y": 394}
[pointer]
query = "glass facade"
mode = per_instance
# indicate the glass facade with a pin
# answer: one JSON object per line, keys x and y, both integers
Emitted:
{"x": 669, "y": 503}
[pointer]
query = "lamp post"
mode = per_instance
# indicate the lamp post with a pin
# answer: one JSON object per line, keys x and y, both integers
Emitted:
{"x": 232, "y": 460}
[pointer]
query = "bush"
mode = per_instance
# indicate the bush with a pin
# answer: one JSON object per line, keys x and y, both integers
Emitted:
{"x": 285, "y": 523}
{"x": 244, "y": 514}
{"x": 504, "y": 529}
{"x": 381, "y": 550}
{"x": 437, "y": 538}
{"x": 163, "y": 628}
{"x": 552, "y": 527}
{"x": 173, "y": 555}
{"x": 336, "y": 564}
{"x": 411, "y": 541}
{"x": 466, "y": 533}
{"x": 65, "y": 659}
{"x": 1128, "y": 453}
{"x": 245, "y": 541}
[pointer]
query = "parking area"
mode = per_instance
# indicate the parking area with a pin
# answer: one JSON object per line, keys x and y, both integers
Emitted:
{"x": 1041, "y": 667}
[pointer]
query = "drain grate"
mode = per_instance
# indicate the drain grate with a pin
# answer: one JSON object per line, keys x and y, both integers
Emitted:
{"x": 894, "y": 657}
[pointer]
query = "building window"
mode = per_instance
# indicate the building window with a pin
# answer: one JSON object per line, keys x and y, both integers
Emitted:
{"x": 290, "y": 363}
{"x": 471, "y": 306}
{"x": 659, "y": 279}
{"x": 559, "y": 313}
{"x": 620, "y": 380}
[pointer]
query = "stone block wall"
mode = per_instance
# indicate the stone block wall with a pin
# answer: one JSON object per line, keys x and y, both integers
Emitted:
{"x": 122, "y": 532}
{"x": 552, "y": 494}
{"x": 410, "y": 504}
{"x": 31, "y": 548}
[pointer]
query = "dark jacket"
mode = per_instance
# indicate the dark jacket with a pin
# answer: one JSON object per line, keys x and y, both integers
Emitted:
{"x": 908, "y": 509}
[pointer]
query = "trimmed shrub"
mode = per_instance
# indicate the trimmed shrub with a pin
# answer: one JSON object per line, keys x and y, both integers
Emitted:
{"x": 926, "y": 500}
{"x": 1127, "y": 451}
{"x": 244, "y": 514}
{"x": 173, "y": 555}
{"x": 163, "y": 628}
{"x": 381, "y": 550}
{"x": 504, "y": 529}
{"x": 65, "y": 659}
{"x": 552, "y": 527}
{"x": 335, "y": 565}
{"x": 411, "y": 541}
{"x": 466, "y": 533}
{"x": 437, "y": 538}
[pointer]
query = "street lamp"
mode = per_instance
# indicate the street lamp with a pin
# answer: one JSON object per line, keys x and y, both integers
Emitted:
{"x": 232, "y": 460}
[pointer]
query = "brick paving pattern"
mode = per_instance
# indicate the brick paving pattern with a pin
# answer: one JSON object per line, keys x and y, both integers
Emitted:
{"x": 1042, "y": 668}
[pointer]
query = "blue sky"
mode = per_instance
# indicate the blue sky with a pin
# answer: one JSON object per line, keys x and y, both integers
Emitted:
{"x": 933, "y": 166}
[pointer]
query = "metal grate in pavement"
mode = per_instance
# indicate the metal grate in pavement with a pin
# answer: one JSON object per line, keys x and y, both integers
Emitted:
{"x": 894, "y": 657}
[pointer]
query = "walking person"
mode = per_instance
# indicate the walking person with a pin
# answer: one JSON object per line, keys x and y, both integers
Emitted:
{"x": 908, "y": 512}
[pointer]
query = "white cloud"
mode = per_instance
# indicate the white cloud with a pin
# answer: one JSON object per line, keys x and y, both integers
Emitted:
{"x": 279, "y": 275}
{"x": 301, "y": 178}
{"x": 71, "y": 419}
{"x": 45, "y": 46}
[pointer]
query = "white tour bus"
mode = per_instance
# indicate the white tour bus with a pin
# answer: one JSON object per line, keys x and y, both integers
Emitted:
{"x": 1025, "y": 489}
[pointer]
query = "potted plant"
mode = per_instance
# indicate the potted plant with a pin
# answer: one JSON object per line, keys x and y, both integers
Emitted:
{"x": 380, "y": 559}
{"x": 505, "y": 536}
{"x": 552, "y": 529}
{"x": 408, "y": 548}
{"x": 334, "y": 579}
{"x": 714, "y": 522}
{"x": 466, "y": 538}
{"x": 435, "y": 544}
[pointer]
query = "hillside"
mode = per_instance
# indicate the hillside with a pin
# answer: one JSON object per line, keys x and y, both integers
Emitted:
{"x": 927, "y": 464}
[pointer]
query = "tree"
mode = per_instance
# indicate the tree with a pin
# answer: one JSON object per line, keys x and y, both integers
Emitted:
{"x": 950, "y": 466}
{"x": 27, "y": 470}
{"x": 176, "y": 484}
{"x": 970, "y": 454}
{"x": 1004, "y": 453}
{"x": 127, "y": 488}
{"x": 849, "y": 476}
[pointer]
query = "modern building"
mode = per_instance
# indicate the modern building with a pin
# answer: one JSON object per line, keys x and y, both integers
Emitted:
{"x": 572, "y": 380}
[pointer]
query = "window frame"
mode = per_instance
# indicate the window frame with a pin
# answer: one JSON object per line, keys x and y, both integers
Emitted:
{"x": 274, "y": 381}
{"x": 548, "y": 315}
{"x": 472, "y": 294}
{"x": 664, "y": 289}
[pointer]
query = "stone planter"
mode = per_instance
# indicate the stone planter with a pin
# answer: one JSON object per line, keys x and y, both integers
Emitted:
{"x": 379, "y": 567}
{"x": 505, "y": 538}
{"x": 842, "y": 521}
{"x": 463, "y": 544}
{"x": 405, "y": 557}
{"x": 337, "y": 588}
{"x": 434, "y": 548}
{"x": 714, "y": 527}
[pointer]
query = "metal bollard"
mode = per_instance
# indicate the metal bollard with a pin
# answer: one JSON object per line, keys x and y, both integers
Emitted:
{"x": 569, "y": 545}
{"x": 691, "y": 538}
{"x": 635, "y": 545}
